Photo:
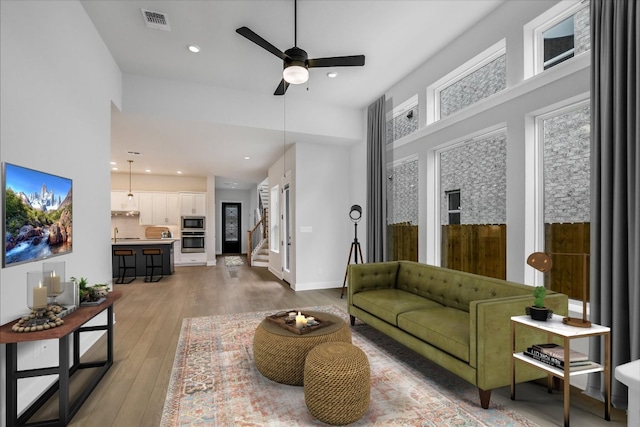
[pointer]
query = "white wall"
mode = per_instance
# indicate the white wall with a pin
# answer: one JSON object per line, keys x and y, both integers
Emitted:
{"x": 322, "y": 230}
{"x": 58, "y": 81}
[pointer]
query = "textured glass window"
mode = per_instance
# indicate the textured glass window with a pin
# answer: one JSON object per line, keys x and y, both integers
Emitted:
{"x": 480, "y": 84}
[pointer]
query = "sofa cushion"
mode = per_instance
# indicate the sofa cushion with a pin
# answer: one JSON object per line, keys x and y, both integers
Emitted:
{"x": 443, "y": 327}
{"x": 387, "y": 304}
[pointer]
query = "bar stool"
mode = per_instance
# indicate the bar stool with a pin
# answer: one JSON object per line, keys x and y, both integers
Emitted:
{"x": 150, "y": 255}
{"x": 123, "y": 255}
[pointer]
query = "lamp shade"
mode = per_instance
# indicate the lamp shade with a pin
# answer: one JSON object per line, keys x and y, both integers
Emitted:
{"x": 540, "y": 261}
{"x": 295, "y": 74}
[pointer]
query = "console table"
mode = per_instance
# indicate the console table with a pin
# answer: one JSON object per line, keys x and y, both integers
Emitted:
{"x": 555, "y": 327}
{"x": 73, "y": 324}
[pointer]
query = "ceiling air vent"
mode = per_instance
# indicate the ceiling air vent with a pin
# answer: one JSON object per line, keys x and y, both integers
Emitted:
{"x": 134, "y": 153}
{"x": 156, "y": 20}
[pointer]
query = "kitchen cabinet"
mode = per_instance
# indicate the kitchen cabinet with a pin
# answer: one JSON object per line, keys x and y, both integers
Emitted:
{"x": 145, "y": 206}
{"x": 120, "y": 201}
{"x": 177, "y": 250}
{"x": 193, "y": 204}
{"x": 198, "y": 258}
{"x": 165, "y": 209}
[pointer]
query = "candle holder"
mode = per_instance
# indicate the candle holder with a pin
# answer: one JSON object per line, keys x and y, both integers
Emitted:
{"x": 36, "y": 299}
{"x": 53, "y": 276}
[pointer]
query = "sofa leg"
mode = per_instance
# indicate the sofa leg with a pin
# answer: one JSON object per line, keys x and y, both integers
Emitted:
{"x": 352, "y": 319}
{"x": 485, "y": 396}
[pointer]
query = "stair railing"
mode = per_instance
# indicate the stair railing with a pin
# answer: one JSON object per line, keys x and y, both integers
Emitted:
{"x": 257, "y": 235}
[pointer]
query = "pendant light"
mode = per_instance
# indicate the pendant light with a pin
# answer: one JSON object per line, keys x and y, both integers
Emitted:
{"x": 130, "y": 195}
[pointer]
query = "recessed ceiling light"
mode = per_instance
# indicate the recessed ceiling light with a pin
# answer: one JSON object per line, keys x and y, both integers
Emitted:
{"x": 114, "y": 169}
{"x": 247, "y": 157}
{"x": 113, "y": 163}
{"x": 147, "y": 170}
{"x": 178, "y": 172}
{"x": 194, "y": 48}
{"x": 332, "y": 74}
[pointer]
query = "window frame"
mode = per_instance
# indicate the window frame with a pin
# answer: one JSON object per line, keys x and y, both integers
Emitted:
{"x": 474, "y": 64}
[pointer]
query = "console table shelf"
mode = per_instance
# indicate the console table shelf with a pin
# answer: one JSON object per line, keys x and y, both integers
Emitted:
{"x": 73, "y": 324}
{"x": 555, "y": 327}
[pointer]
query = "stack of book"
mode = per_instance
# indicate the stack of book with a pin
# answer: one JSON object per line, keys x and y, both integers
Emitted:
{"x": 553, "y": 354}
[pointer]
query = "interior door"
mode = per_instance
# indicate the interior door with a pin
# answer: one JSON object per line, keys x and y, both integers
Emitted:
{"x": 231, "y": 226}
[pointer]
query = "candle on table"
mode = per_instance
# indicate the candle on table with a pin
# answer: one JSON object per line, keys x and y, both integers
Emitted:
{"x": 300, "y": 321}
{"x": 55, "y": 283}
{"x": 39, "y": 297}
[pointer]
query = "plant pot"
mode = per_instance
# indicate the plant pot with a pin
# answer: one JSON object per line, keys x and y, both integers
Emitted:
{"x": 538, "y": 313}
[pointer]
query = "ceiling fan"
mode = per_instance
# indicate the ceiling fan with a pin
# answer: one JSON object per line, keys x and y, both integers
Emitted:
{"x": 295, "y": 60}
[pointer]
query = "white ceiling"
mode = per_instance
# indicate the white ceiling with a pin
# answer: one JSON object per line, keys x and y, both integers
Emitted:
{"x": 395, "y": 36}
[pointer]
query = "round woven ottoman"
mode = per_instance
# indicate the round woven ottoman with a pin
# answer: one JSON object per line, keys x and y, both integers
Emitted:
{"x": 280, "y": 354}
{"x": 337, "y": 383}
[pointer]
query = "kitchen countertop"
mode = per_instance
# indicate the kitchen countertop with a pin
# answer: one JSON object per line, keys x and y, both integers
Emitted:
{"x": 129, "y": 242}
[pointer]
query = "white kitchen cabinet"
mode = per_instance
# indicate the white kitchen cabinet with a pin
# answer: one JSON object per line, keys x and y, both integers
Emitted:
{"x": 165, "y": 209}
{"x": 120, "y": 201}
{"x": 193, "y": 258}
{"x": 145, "y": 206}
{"x": 193, "y": 204}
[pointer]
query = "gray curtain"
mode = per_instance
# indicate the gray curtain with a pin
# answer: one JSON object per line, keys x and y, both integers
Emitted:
{"x": 615, "y": 212}
{"x": 376, "y": 181}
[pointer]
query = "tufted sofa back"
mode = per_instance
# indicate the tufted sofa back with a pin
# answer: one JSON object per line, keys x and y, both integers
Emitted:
{"x": 453, "y": 288}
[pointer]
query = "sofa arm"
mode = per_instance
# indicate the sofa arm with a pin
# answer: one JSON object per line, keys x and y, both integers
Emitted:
{"x": 490, "y": 340}
{"x": 375, "y": 275}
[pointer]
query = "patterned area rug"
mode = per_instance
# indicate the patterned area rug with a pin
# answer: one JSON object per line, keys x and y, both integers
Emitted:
{"x": 214, "y": 382}
{"x": 233, "y": 261}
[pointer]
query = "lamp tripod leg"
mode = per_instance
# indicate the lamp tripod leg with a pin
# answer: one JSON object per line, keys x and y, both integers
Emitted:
{"x": 346, "y": 273}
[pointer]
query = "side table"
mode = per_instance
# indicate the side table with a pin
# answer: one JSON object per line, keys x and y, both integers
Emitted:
{"x": 555, "y": 327}
{"x": 73, "y": 325}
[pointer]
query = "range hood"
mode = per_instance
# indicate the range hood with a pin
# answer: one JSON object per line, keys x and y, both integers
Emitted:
{"x": 125, "y": 213}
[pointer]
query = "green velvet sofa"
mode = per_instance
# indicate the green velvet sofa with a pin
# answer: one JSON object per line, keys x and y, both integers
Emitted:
{"x": 460, "y": 321}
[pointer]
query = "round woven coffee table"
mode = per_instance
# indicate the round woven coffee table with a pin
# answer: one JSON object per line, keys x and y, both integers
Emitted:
{"x": 280, "y": 354}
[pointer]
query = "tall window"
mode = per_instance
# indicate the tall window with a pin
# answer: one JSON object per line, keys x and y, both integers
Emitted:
{"x": 566, "y": 157}
{"x": 473, "y": 190}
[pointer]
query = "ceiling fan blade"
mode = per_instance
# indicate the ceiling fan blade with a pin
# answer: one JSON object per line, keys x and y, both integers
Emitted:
{"x": 337, "y": 61}
{"x": 282, "y": 88}
{"x": 246, "y": 32}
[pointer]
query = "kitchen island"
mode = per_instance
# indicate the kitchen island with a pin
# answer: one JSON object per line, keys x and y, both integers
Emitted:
{"x": 137, "y": 245}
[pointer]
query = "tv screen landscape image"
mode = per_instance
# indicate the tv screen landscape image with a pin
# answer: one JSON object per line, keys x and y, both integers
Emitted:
{"x": 37, "y": 210}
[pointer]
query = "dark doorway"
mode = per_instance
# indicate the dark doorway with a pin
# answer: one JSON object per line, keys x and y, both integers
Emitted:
{"x": 231, "y": 226}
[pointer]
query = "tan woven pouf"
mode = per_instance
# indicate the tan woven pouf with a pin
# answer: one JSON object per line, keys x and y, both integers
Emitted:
{"x": 337, "y": 383}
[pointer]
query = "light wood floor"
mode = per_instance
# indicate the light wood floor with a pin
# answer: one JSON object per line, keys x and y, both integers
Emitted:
{"x": 149, "y": 317}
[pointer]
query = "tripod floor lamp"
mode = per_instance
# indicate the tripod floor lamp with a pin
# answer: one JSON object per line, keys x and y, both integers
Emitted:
{"x": 355, "y": 214}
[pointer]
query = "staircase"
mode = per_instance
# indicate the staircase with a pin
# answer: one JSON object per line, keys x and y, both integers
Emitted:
{"x": 260, "y": 233}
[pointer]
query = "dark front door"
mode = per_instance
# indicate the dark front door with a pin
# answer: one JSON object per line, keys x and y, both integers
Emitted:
{"x": 231, "y": 226}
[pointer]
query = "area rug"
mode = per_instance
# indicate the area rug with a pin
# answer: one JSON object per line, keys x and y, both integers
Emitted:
{"x": 214, "y": 382}
{"x": 233, "y": 261}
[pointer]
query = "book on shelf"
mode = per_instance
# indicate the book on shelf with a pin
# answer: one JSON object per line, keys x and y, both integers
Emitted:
{"x": 556, "y": 363}
{"x": 557, "y": 351}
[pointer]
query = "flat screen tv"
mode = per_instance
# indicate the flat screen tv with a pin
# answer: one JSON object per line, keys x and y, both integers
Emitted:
{"x": 37, "y": 209}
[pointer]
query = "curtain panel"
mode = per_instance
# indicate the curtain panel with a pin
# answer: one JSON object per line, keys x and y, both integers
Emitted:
{"x": 615, "y": 204}
{"x": 376, "y": 181}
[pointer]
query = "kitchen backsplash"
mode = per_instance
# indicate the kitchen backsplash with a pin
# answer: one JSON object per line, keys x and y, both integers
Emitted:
{"x": 130, "y": 227}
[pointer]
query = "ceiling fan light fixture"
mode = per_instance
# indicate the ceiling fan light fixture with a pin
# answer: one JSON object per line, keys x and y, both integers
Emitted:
{"x": 295, "y": 74}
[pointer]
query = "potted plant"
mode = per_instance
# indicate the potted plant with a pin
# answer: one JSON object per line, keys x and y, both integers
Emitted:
{"x": 538, "y": 311}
